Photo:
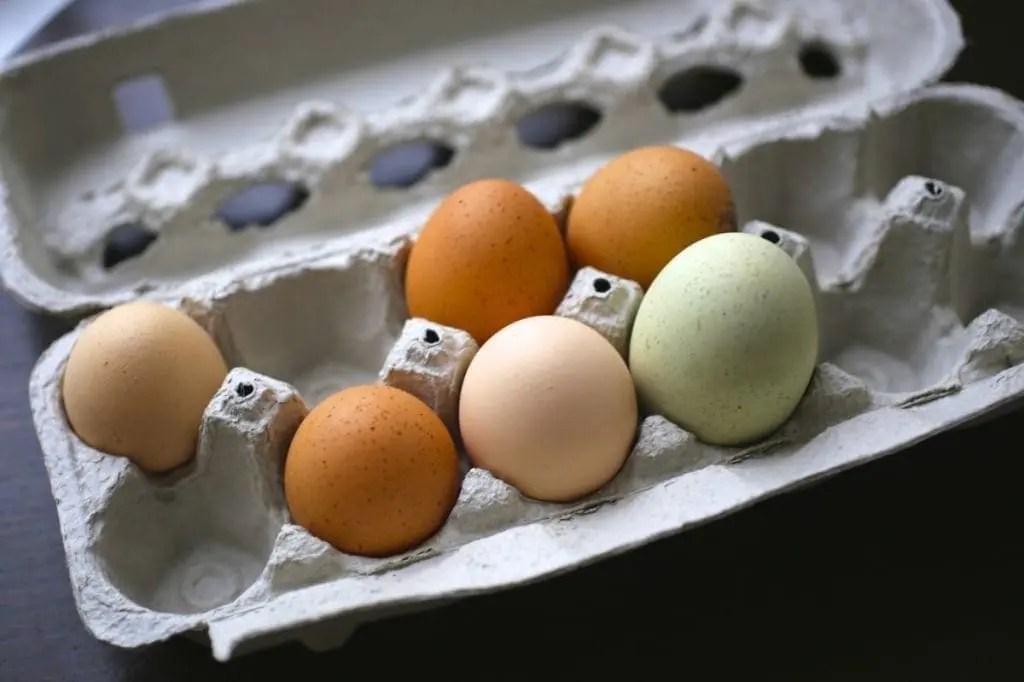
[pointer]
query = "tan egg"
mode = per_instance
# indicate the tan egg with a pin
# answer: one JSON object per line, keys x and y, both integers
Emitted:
{"x": 372, "y": 471}
{"x": 635, "y": 214}
{"x": 137, "y": 382}
{"x": 548, "y": 406}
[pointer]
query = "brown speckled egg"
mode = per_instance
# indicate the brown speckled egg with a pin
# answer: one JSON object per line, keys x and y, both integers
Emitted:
{"x": 489, "y": 255}
{"x": 636, "y": 213}
{"x": 372, "y": 471}
{"x": 138, "y": 381}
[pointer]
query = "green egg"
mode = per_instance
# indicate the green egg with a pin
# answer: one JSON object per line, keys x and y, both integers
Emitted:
{"x": 725, "y": 341}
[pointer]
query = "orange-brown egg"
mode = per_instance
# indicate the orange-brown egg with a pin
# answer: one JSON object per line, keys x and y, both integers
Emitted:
{"x": 138, "y": 381}
{"x": 372, "y": 471}
{"x": 489, "y": 255}
{"x": 636, "y": 213}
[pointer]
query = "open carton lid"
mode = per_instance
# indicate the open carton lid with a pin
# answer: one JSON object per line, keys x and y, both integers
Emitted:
{"x": 315, "y": 98}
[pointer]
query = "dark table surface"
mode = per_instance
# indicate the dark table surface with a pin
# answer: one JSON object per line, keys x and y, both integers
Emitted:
{"x": 905, "y": 569}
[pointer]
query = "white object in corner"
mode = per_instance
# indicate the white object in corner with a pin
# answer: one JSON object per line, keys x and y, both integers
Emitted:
{"x": 22, "y": 19}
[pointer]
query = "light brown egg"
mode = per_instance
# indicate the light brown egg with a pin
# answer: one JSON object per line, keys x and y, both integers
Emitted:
{"x": 137, "y": 382}
{"x": 636, "y": 213}
{"x": 548, "y": 406}
{"x": 489, "y": 255}
{"x": 372, "y": 471}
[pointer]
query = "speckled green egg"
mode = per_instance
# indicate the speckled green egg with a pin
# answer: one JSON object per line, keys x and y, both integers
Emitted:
{"x": 726, "y": 339}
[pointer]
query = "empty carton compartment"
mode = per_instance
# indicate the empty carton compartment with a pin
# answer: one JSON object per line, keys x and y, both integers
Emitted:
{"x": 320, "y": 329}
{"x": 197, "y": 539}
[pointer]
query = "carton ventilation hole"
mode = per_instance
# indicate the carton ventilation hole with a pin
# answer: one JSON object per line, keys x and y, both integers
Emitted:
{"x": 125, "y": 242}
{"x": 771, "y": 236}
{"x": 698, "y": 88}
{"x": 430, "y": 337}
{"x": 552, "y": 125}
{"x": 261, "y": 204}
{"x": 409, "y": 163}
{"x": 244, "y": 389}
{"x": 818, "y": 61}
{"x": 143, "y": 103}
{"x": 601, "y": 285}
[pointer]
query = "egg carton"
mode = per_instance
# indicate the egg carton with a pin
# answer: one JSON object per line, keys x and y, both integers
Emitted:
{"x": 898, "y": 198}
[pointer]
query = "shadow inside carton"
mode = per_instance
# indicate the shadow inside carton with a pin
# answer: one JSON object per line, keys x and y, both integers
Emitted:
{"x": 319, "y": 330}
{"x": 827, "y": 187}
{"x": 197, "y": 539}
{"x": 189, "y": 549}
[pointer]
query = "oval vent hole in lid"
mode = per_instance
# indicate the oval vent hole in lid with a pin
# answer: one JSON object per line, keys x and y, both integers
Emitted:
{"x": 124, "y": 242}
{"x": 409, "y": 163}
{"x": 261, "y": 204}
{"x": 818, "y": 61}
{"x": 143, "y": 102}
{"x": 698, "y": 88}
{"x": 552, "y": 125}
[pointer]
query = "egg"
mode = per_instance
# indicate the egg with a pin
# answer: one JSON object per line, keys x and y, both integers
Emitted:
{"x": 490, "y": 254}
{"x": 636, "y": 213}
{"x": 137, "y": 382}
{"x": 372, "y": 471}
{"x": 548, "y": 406}
{"x": 726, "y": 339}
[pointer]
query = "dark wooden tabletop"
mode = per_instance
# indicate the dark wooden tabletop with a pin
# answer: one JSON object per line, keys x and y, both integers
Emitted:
{"x": 905, "y": 569}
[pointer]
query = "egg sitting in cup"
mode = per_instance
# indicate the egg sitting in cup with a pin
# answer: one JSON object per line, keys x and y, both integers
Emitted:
{"x": 725, "y": 342}
{"x": 645, "y": 206}
{"x": 548, "y": 406}
{"x": 490, "y": 254}
{"x": 372, "y": 471}
{"x": 138, "y": 381}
